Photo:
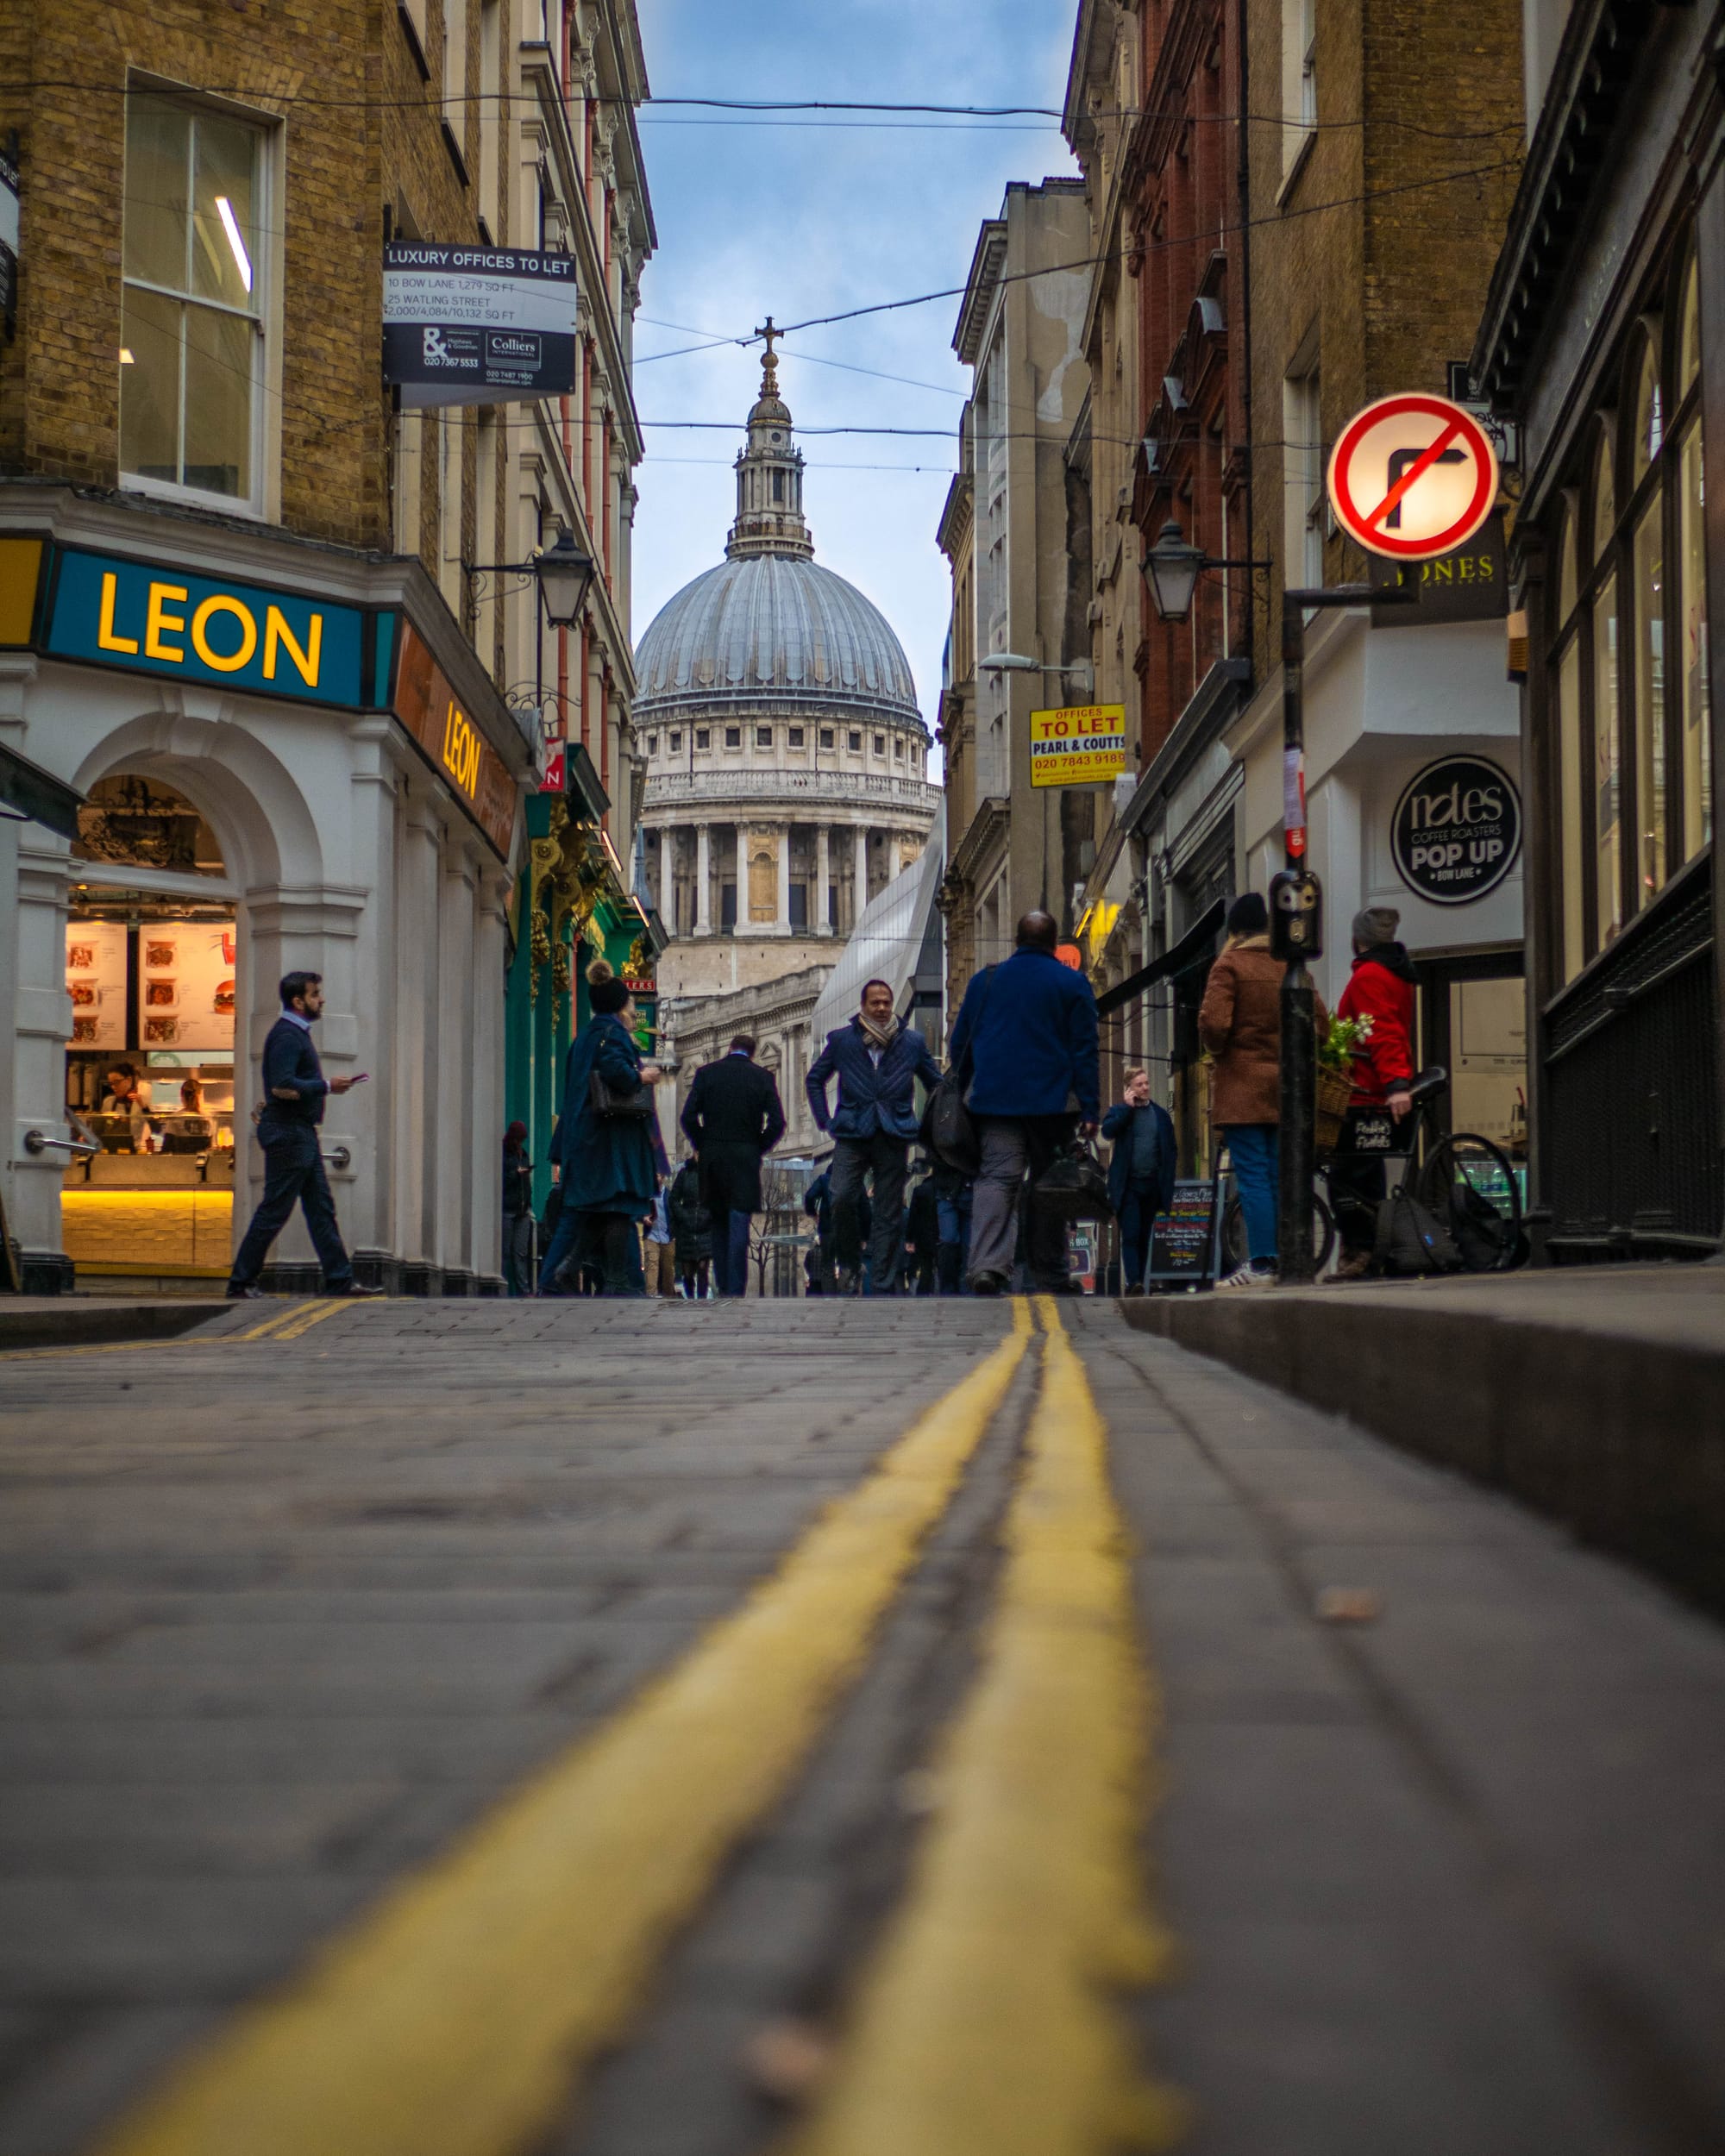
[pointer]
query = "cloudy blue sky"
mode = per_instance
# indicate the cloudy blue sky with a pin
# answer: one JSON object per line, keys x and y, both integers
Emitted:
{"x": 796, "y": 221}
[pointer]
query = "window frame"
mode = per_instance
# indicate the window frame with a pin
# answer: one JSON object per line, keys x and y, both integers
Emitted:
{"x": 1610, "y": 558}
{"x": 262, "y": 502}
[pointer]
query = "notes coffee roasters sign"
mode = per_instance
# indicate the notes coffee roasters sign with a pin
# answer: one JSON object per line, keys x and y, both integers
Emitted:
{"x": 1457, "y": 829}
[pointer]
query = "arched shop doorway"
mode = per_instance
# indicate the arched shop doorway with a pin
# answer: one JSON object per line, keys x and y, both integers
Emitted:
{"x": 153, "y": 936}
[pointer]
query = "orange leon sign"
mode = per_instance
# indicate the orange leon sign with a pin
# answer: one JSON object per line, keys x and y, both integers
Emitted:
{"x": 432, "y": 711}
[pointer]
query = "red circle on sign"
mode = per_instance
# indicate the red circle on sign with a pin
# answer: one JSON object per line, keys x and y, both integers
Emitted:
{"x": 1366, "y": 519}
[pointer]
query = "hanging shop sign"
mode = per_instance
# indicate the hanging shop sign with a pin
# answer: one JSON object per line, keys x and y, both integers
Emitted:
{"x": 451, "y": 742}
{"x": 1457, "y": 829}
{"x": 466, "y": 325}
{"x": 108, "y": 612}
{"x": 1412, "y": 477}
{"x": 9, "y": 236}
{"x": 1470, "y": 584}
{"x": 1083, "y": 745}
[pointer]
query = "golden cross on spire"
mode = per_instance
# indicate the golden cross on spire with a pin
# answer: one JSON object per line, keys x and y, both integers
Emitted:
{"x": 769, "y": 365}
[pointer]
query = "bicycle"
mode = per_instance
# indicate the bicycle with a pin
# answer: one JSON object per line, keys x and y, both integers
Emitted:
{"x": 1467, "y": 1183}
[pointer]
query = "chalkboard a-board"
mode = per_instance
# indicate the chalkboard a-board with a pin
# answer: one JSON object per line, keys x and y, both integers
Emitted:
{"x": 1182, "y": 1243}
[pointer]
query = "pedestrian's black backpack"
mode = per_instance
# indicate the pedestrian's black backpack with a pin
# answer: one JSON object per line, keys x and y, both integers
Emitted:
{"x": 949, "y": 1129}
{"x": 1412, "y": 1240}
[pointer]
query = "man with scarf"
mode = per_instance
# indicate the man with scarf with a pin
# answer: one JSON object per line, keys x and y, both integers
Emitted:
{"x": 878, "y": 1062}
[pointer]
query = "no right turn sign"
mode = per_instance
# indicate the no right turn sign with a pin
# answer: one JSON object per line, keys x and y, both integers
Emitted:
{"x": 1412, "y": 476}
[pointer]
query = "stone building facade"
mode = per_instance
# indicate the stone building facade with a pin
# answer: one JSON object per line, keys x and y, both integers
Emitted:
{"x": 786, "y": 758}
{"x": 248, "y": 605}
{"x": 1016, "y": 531}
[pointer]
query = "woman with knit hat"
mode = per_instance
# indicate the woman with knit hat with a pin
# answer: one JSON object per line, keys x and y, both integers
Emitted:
{"x": 1239, "y": 1023}
{"x": 605, "y": 1161}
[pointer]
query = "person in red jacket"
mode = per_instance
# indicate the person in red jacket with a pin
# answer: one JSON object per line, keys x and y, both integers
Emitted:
{"x": 1381, "y": 989}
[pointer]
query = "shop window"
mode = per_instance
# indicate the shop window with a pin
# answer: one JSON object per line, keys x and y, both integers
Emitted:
{"x": 1604, "y": 497}
{"x": 1649, "y": 415}
{"x": 1650, "y": 696}
{"x": 193, "y": 320}
{"x": 1607, "y": 769}
{"x": 1571, "y": 780}
{"x": 1697, "y": 760}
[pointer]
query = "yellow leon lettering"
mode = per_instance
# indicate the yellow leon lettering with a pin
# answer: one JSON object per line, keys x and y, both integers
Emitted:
{"x": 222, "y": 604}
{"x": 158, "y": 620}
{"x": 104, "y": 627}
{"x": 307, "y": 658}
{"x": 460, "y": 748}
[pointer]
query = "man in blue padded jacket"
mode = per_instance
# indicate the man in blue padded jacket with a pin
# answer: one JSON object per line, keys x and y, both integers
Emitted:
{"x": 294, "y": 1088}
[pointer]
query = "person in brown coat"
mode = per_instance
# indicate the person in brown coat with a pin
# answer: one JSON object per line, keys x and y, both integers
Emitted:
{"x": 1239, "y": 1023}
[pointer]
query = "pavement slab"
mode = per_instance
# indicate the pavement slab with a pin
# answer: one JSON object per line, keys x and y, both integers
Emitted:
{"x": 281, "y": 1621}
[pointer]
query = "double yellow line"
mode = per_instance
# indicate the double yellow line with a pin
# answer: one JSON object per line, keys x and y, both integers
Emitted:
{"x": 286, "y": 1324}
{"x": 458, "y": 2016}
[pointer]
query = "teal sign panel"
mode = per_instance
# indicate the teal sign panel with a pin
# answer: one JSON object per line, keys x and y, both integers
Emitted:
{"x": 106, "y": 611}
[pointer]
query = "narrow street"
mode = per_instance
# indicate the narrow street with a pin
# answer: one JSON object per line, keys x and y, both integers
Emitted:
{"x": 927, "y": 1726}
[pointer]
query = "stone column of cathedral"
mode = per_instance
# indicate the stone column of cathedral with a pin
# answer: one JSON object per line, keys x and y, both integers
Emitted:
{"x": 703, "y": 878}
{"x": 823, "y": 878}
{"x": 784, "y": 921}
{"x": 860, "y": 837}
{"x": 668, "y": 889}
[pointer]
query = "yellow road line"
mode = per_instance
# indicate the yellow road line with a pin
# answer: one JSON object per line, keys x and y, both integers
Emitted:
{"x": 985, "y": 2024}
{"x": 178, "y": 1339}
{"x": 303, "y": 1320}
{"x": 454, "y": 2018}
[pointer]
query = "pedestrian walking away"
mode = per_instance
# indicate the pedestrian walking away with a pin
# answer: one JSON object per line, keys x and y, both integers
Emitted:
{"x": 877, "y": 1060}
{"x": 517, "y": 1211}
{"x": 691, "y": 1230}
{"x": 604, "y": 1154}
{"x": 1240, "y": 1024}
{"x": 732, "y": 1118}
{"x": 1026, "y": 1034}
{"x": 294, "y": 1092}
{"x": 1140, "y": 1173}
{"x": 1381, "y": 988}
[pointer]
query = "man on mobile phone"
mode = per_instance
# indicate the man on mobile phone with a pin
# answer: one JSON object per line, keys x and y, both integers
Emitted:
{"x": 294, "y": 1090}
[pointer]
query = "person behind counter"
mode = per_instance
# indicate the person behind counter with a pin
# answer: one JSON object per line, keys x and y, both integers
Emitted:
{"x": 294, "y": 1092}
{"x": 124, "y": 1097}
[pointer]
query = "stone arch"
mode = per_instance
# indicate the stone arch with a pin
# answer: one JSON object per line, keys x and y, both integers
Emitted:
{"x": 245, "y": 793}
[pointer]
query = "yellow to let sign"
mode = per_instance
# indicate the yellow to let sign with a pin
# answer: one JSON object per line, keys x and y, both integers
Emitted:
{"x": 1084, "y": 746}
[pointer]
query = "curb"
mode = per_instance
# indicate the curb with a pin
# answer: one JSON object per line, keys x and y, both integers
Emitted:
{"x": 55, "y": 1323}
{"x": 1620, "y": 1439}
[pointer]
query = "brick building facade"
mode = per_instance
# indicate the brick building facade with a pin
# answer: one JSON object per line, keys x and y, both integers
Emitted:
{"x": 194, "y": 424}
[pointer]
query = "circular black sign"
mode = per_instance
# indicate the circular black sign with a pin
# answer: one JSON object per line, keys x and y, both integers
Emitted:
{"x": 1457, "y": 829}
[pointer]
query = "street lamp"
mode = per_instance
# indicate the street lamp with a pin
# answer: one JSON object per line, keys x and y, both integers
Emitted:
{"x": 1016, "y": 663}
{"x": 1172, "y": 568}
{"x": 563, "y": 573}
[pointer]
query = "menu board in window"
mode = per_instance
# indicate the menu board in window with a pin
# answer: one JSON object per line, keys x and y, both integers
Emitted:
{"x": 96, "y": 981}
{"x": 186, "y": 985}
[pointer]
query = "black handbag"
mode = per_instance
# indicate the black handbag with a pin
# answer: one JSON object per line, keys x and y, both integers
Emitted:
{"x": 949, "y": 1128}
{"x": 1074, "y": 1184}
{"x": 611, "y": 1106}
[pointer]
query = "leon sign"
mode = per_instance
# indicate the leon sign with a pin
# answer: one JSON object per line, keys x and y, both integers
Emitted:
{"x": 450, "y": 741}
{"x": 1457, "y": 829}
{"x": 1412, "y": 477}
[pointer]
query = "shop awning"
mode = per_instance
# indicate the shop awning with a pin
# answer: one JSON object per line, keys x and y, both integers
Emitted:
{"x": 29, "y": 795}
{"x": 1193, "y": 949}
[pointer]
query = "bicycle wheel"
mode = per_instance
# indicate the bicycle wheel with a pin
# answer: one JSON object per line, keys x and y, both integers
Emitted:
{"x": 1234, "y": 1251}
{"x": 1472, "y": 1187}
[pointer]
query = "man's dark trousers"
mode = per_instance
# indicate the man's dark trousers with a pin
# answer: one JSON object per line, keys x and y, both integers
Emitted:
{"x": 730, "y": 1253}
{"x": 852, "y": 1158}
{"x": 293, "y": 1175}
{"x": 1138, "y": 1217}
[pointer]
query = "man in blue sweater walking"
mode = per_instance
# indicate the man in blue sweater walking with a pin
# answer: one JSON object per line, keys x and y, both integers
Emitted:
{"x": 878, "y": 1062}
{"x": 294, "y": 1090}
{"x": 1027, "y": 1032}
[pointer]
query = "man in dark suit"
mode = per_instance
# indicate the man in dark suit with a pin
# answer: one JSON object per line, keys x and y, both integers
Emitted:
{"x": 294, "y": 1090}
{"x": 877, "y": 1062}
{"x": 732, "y": 1117}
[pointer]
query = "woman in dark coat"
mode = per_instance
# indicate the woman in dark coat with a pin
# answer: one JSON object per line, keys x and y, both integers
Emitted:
{"x": 691, "y": 1230}
{"x": 607, "y": 1175}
